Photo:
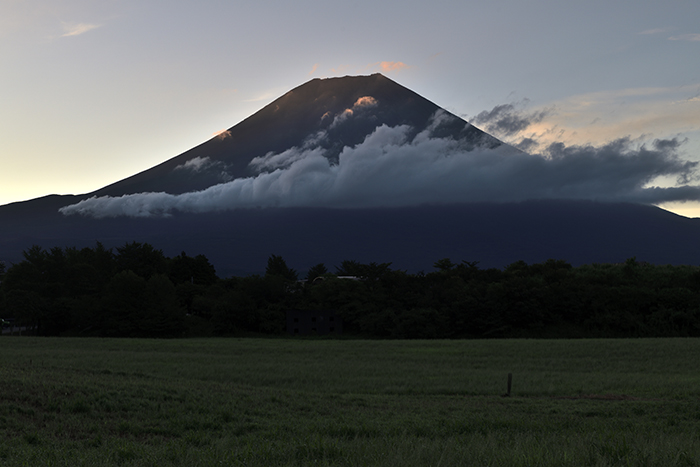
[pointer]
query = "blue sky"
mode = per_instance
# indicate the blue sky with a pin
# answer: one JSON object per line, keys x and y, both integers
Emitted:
{"x": 92, "y": 92}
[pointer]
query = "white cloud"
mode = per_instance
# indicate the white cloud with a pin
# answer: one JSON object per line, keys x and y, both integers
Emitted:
{"x": 272, "y": 161}
{"x": 342, "y": 117}
{"x": 196, "y": 164}
{"x": 205, "y": 164}
{"x": 390, "y": 168}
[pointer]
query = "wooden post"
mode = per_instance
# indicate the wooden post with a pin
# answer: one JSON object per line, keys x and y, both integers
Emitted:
{"x": 510, "y": 381}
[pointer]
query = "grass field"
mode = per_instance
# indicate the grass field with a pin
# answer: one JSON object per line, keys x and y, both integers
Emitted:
{"x": 267, "y": 402}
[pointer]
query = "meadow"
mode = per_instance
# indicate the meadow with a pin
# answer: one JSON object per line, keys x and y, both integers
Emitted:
{"x": 299, "y": 402}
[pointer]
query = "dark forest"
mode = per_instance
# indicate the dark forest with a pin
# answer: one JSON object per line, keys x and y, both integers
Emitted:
{"x": 136, "y": 291}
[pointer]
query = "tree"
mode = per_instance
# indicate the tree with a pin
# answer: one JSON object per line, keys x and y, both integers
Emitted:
{"x": 33, "y": 287}
{"x": 350, "y": 267}
{"x": 276, "y": 266}
{"x": 135, "y": 307}
{"x": 141, "y": 258}
{"x": 316, "y": 271}
{"x": 195, "y": 270}
{"x": 162, "y": 315}
{"x": 444, "y": 264}
{"x": 123, "y": 305}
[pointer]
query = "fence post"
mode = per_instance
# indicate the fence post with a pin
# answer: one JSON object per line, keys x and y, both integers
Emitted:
{"x": 510, "y": 382}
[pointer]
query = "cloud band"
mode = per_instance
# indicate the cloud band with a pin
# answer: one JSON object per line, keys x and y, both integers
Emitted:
{"x": 390, "y": 169}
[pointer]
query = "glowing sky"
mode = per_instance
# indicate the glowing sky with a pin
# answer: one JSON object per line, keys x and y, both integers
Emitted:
{"x": 92, "y": 92}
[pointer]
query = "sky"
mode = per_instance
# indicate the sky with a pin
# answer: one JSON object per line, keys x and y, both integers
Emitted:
{"x": 92, "y": 92}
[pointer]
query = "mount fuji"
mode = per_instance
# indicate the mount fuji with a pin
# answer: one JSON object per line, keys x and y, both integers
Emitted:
{"x": 363, "y": 168}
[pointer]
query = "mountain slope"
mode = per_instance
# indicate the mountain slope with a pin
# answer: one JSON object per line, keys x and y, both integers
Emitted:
{"x": 413, "y": 238}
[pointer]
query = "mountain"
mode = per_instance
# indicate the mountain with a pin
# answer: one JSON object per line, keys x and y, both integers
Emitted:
{"x": 288, "y": 122}
{"x": 326, "y": 120}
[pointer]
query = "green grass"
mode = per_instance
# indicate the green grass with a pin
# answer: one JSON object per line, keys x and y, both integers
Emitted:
{"x": 342, "y": 402}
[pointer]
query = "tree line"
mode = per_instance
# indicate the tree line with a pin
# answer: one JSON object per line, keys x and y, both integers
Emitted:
{"x": 136, "y": 291}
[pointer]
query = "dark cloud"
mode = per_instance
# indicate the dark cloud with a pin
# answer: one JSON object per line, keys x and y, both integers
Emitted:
{"x": 527, "y": 144}
{"x": 508, "y": 119}
{"x": 392, "y": 168}
{"x": 617, "y": 171}
{"x": 669, "y": 144}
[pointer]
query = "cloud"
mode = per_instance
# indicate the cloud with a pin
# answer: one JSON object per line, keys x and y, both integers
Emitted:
{"x": 313, "y": 69}
{"x": 341, "y": 117}
{"x": 196, "y": 164}
{"x": 387, "y": 67}
{"x": 686, "y": 37}
{"x": 199, "y": 164}
{"x": 597, "y": 118}
{"x": 528, "y": 145}
{"x": 272, "y": 161}
{"x": 507, "y": 119}
{"x": 392, "y": 168}
{"x": 222, "y": 135}
{"x": 78, "y": 29}
{"x": 365, "y": 101}
{"x": 362, "y": 103}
